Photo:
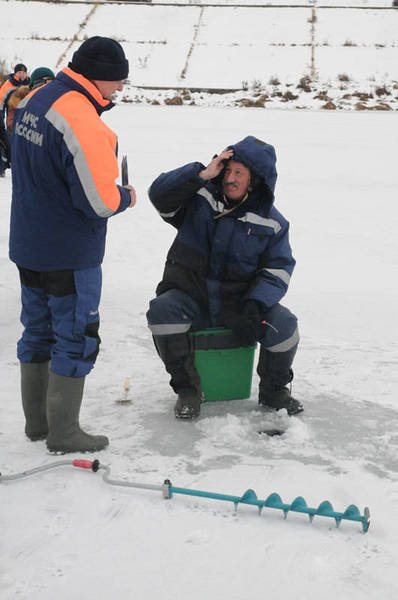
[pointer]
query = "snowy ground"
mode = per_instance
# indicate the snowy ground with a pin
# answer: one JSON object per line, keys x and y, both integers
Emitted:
{"x": 66, "y": 534}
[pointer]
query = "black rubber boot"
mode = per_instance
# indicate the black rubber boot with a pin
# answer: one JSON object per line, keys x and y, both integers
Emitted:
{"x": 177, "y": 353}
{"x": 64, "y": 399}
{"x": 34, "y": 382}
{"x": 274, "y": 369}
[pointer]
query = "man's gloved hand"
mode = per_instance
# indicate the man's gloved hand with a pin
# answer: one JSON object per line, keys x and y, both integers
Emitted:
{"x": 251, "y": 310}
{"x": 246, "y": 326}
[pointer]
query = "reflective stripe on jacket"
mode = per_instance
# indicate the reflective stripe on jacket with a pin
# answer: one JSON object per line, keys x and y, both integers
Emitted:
{"x": 64, "y": 171}
{"x": 242, "y": 255}
{"x": 10, "y": 84}
{"x": 5, "y": 89}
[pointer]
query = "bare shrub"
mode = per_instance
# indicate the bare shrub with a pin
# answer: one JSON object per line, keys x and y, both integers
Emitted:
{"x": 329, "y": 106}
{"x": 143, "y": 61}
{"x": 176, "y": 101}
{"x": 305, "y": 84}
{"x": 3, "y": 71}
{"x": 382, "y": 91}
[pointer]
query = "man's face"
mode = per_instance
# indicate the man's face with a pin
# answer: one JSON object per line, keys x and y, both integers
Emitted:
{"x": 236, "y": 180}
{"x": 21, "y": 75}
{"x": 108, "y": 88}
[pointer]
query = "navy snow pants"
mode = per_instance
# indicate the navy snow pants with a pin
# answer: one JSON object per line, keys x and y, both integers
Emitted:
{"x": 61, "y": 319}
{"x": 176, "y": 312}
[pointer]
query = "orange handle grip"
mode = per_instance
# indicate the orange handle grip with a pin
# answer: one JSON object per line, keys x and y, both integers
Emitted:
{"x": 84, "y": 464}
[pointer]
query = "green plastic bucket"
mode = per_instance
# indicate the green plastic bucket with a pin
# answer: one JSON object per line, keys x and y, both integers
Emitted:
{"x": 225, "y": 367}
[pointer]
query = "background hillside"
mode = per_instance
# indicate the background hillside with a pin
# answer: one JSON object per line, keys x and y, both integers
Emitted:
{"x": 297, "y": 56}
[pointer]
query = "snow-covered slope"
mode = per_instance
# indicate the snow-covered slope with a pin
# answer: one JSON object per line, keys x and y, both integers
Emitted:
{"x": 66, "y": 534}
{"x": 299, "y": 56}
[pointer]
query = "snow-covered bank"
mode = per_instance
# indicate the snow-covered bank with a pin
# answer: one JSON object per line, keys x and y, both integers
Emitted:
{"x": 290, "y": 57}
{"x": 66, "y": 534}
{"x": 305, "y": 94}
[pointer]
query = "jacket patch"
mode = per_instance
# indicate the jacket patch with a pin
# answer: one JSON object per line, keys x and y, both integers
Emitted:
{"x": 27, "y": 128}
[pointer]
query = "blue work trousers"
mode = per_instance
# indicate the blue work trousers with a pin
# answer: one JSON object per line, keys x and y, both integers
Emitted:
{"x": 60, "y": 315}
{"x": 176, "y": 312}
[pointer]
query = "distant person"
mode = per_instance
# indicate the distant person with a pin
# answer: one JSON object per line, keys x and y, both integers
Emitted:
{"x": 39, "y": 77}
{"x": 14, "y": 80}
{"x": 64, "y": 168}
{"x": 4, "y": 151}
{"x": 229, "y": 265}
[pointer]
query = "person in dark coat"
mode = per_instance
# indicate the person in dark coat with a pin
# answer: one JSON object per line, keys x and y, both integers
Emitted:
{"x": 64, "y": 171}
{"x": 4, "y": 151}
{"x": 14, "y": 80}
{"x": 40, "y": 76}
{"x": 229, "y": 265}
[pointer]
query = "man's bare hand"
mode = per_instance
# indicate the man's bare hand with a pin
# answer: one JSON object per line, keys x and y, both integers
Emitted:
{"x": 133, "y": 196}
{"x": 216, "y": 166}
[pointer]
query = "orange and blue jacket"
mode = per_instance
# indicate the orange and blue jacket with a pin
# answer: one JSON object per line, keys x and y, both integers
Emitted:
{"x": 64, "y": 171}
{"x": 5, "y": 90}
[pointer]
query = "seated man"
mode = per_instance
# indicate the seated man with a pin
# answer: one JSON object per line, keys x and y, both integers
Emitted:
{"x": 229, "y": 265}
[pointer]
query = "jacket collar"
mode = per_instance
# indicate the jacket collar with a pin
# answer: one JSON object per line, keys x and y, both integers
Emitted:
{"x": 79, "y": 83}
{"x": 17, "y": 82}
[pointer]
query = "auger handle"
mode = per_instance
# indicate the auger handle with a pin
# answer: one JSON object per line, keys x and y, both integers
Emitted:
{"x": 94, "y": 465}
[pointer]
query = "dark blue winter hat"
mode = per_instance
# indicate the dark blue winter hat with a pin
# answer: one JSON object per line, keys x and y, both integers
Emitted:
{"x": 20, "y": 67}
{"x": 100, "y": 58}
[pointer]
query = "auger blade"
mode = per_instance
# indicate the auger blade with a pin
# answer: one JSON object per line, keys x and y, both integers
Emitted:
{"x": 249, "y": 497}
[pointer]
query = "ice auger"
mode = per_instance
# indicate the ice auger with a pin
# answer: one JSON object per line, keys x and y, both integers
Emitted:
{"x": 299, "y": 505}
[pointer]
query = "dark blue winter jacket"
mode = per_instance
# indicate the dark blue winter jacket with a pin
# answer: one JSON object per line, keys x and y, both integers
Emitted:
{"x": 64, "y": 167}
{"x": 240, "y": 256}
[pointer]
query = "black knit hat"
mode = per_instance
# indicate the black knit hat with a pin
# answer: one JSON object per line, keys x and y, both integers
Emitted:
{"x": 100, "y": 58}
{"x": 20, "y": 67}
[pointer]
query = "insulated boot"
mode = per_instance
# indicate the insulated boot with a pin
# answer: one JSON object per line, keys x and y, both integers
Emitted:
{"x": 187, "y": 405}
{"x": 64, "y": 398}
{"x": 176, "y": 351}
{"x": 34, "y": 382}
{"x": 274, "y": 369}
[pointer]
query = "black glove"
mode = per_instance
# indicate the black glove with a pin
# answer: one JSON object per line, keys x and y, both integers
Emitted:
{"x": 251, "y": 310}
{"x": 246, "y": 326}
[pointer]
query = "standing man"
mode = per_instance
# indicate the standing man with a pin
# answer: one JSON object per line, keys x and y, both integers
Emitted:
{"x": 14, "y": 80}
{"x": 230, "y": 264}
{"x": 39, "y": 77}
{"x": 64, "y": 171}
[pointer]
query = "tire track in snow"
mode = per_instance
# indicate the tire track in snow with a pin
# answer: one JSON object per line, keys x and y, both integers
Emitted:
{"x": 193, "y": 43}
{"x": 76, "y": 36}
